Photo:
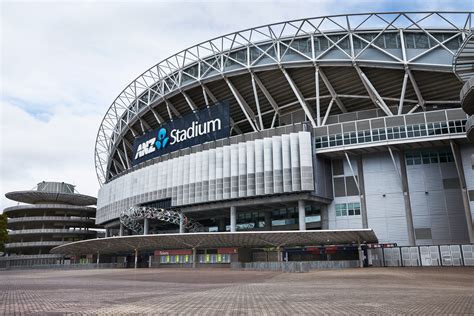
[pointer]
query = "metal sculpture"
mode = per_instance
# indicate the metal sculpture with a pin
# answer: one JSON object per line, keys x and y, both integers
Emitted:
{"x": 131, "y": 218}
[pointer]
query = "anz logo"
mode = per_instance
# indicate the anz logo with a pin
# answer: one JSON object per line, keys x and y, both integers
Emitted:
{"x": 153, "y": 144}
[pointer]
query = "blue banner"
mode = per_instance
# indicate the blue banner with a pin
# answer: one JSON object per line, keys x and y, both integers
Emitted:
{"x": 205, "y": 125}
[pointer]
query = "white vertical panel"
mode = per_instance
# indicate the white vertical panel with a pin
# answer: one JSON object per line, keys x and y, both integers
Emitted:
{"x": 306, "y": 161}
{"x": 259, "y": 167}
{"x": 286, "y": 162}
{"x": 192, "y": 178}
{"x": 268, "y": 165}
{"x": 242, "y": 170}
{"x": 250, "y": 158}
{"x": 180, "y": 163}
{"x": 234, "y": 170}
{"x": 212, "y": 174}
{"x": 295, "y": 162}
{"x": 277, "y": 164}
{"x": 185, "y": 167}
{"x": 205, "y": 176}
{"x": 198, "y": 183}
{"x": 169, "y": 177}
{"x": 219, "y": 173}
{"x": 226, "y": 167}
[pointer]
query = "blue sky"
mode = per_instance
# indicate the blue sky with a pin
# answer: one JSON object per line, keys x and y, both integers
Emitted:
{"x": 63, "y": 63}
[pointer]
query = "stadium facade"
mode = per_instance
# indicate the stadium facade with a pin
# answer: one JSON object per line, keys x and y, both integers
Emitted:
{"x": 341, "y": 122}
{"x": 51, "y": 214}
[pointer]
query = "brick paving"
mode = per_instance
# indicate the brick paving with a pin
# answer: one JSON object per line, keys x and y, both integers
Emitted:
{"x": 225, "y": 292}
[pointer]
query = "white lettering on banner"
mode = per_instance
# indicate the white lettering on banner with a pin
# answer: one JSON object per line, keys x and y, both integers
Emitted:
{"x": 146, "y": 148}
{"x": 196, "y": 129}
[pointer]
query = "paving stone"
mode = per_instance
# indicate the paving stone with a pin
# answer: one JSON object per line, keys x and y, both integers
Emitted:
{"x": 417, "y": 291}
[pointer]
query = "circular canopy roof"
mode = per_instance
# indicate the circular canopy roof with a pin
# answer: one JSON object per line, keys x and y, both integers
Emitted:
{"x": 253, "y": 239}
{"x": 266, "y": 71}
{"x": 35, "y": 197}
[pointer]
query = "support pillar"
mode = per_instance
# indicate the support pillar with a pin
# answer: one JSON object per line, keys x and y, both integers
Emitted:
{"x": 268, "y": 220}
{"x": 302, "y": 215}
{"x": 324, "y": 217}
{"x": 233, "y": 219}
{"x": 136, "y": 258}
{"x": 145, "y": 226}
{"x": 107, "y": 232}
{"x": 121, "y": 230}
{"x": 194, "y": 258}
{"x": 363, "y": 203}
{"x": 98, "y": 257}
{"x": 406, "y": 197}
{"x": 464, "y": 191}
{"x": 279, "y": 256}
{"x": 361, "y": 255}
{"x": 181, "y": 223}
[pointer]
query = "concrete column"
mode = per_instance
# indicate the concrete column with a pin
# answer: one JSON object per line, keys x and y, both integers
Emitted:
{"x": 233, "y": 219}
{"x": 136, "y": 258}
{"x": 221, "y": 224}
{"x": 121, "y": 230}
{"x": 145, "y": 226}
{"x": 194, "y": 258}
{"x": 98, "y": 257}
{"x": 268, "y": 220}
{"x": 361, "y": 254}
{"x": 406, "y": 197}
{"x": 464, "y": 191}
{"x": 363, "y": 204}
{"x": 181, "y": 223}
{"x": 107, "y": 233}
{"x": 279, "y": 257}
{"x": 150, "y": 261}
{"x": 324, "y": 217}
{"x": 302, "y": 215}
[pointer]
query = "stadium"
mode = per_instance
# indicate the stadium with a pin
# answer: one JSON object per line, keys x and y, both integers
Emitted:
{"x": 343, "y": 130}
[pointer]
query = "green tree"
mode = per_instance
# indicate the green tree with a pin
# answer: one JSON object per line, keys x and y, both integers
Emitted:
{"x": 3, "y": 232}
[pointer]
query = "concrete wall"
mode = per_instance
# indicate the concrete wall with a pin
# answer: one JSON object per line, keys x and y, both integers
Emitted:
{"x": 437, "y": 203}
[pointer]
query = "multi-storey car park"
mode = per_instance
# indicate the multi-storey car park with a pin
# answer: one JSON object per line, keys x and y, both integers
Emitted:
{"x": 49, "y": 215}
{"x": 347, "y": 129}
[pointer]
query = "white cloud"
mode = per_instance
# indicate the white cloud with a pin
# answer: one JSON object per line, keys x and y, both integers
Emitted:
{"x": 63, "y": 63}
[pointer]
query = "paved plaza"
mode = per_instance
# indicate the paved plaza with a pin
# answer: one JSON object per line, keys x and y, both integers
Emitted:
{"x": 225, "y": 292}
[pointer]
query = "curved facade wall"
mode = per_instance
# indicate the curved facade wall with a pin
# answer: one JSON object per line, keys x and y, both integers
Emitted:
{"x": 357, "y": 127}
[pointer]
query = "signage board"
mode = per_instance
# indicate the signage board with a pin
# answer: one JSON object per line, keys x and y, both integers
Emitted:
{"x": 195, "y": 128}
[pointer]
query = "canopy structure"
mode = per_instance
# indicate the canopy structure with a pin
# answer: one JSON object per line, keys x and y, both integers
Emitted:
{"x": 251, "y": 239}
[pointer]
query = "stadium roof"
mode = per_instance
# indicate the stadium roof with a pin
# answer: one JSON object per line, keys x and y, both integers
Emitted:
{"x": 252, "y": 239}
{"x": 329, "y": 64}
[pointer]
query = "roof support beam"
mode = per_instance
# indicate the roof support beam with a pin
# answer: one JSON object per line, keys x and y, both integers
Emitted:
{"x": 421, "y": 101}
{"x": 402, "y": 95}
{"x": 328, "y": 110}
{"x": 125, "y": 153}
{"x": 205, "y": 95}
{"x": 257, "y": 102}
{"x": 158, "y": 118}
{"x": 300, "y": 97}
{"x": 332, "y": 91}
{"x": 190, "y": 102}
{"x": 372, "y": 91}
{"x": 266, "y": 93}
{"x": 243, "y": 104}
{"x": 119, "y": 152}
{"x": 318, "y": 103}
{"x": 207, "y": 92}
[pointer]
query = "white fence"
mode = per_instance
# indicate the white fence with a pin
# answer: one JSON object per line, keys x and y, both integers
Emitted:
{"x": 421, "y": 256}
